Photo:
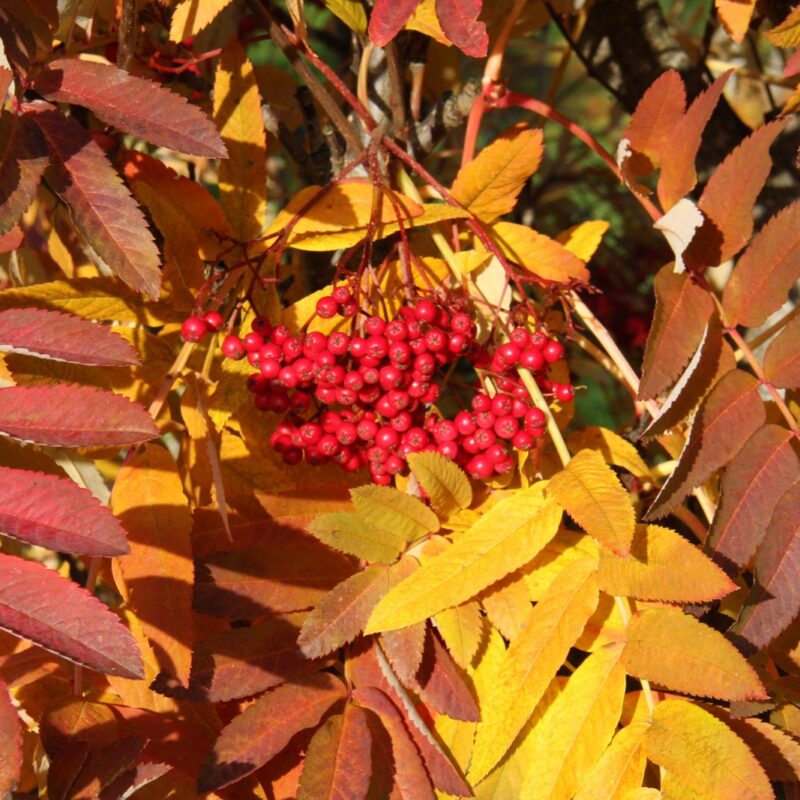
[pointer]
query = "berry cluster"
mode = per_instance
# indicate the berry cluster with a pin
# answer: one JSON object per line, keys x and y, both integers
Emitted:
{"x": 367, "y": 399}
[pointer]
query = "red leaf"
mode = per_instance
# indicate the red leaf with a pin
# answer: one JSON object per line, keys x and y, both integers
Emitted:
{"x": 338, "y": 762}
{"x": 10, "y": 744}
{"x": 67, "y": 415}
{"x": 404, "y": 647}
{"x": 410, "y": 773}
{"x": 36, "y": 603}
{"x": 23, "y": 158}
{"x": 132, "y": 104}
{"x": 782, "y": 359}
{"x": 288, "y": 572}
{"x": 440, "y": 684}
{"x": 265, "y": 728}
{"x": 245, "y": 661}
{"x": 459, "y": 21}
{"x": 63, "y": 337}
{"x": 102, "y": 209}
{"x": 11, "y": 240}
{"x": 729, "y": 414}
{"x": 387, "y": 19}
{"x": 728, "y": 199}
{"x": 56, "y": 513}
{"x": 678, "y": 175}
{"x": 682, "y": 312}
{"x": 766, "y": 271}
{"x": 755, "y": 481}
{"x": 774, "y": 600}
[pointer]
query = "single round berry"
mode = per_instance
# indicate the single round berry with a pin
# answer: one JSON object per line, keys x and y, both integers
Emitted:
{"x": 194, "y": 329}
{"x": 314, "y": 342}
{"x": 387, "y": 438}
{"x": 565, "y": 392}
{"x": 270, "y": 368}
{"x": 535, "y": 419}
{"x": 522, "y": 440}
{"x": 253, "y": 342}
{"x": 520, "y": 337}
{"x": 501, "y": 405}
{"x": 481, "y": 402}
{"x": 348, "y": 310}
{"x": 509, "y": 353}
{"x": 338, "y": 343}
{"x": 480, "y": 467}
{"x": 449, "y": 450}
{"x": 327, "y": 307}
{"x": 214, "y": 320}
{"x": 374, "y": 326}
{"x": 261, "y": 325}
{"x": 396, "y": 331}
{"x": 461, "y": 323}
{"x": 279, "y": 334}
{"x": 426, "y": 311}
{"x": 553, "y": 351}
{"x": 435, "y": 340}
{"x": 233, "y": 347}
{"x": 341, "y": 295}
{"x": 347, "y": 433}
{"x": 367, "y": 430}
{"x": 532, "y": 358}
{"x": 506, "y": 427}
{"x": 465, "y": 423}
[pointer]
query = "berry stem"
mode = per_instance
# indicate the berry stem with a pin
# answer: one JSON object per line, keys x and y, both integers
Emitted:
{"x": 538, "y": 398}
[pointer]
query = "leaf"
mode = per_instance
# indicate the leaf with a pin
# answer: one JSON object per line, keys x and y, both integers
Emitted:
{"x": 350, "y": 533}
{"x": 762, "y": 471}
{"x": 192, "y": 16}
{"x": 592, "y": 495}
{"x": 388, "y": 18}
{"x": 704, "y": 753}
{"x": 575, "y": 730}
{"x": 460, "y": 24}
{"x": 134, "y": 105}
{"x": 446, "y": 485}
{"x": 682, "y": 313}
{"x": 148, "y": 500}
{"x": 735, "y": 17}
{"x": 679, "y": 652}
{"x": 56, "y": 513}
{"x": 102, "y": 209}
{"x": 614, "y": 449}
{"x": 286, "y": 572}
{"x": 10, "y": 743}
{"x": 766, "y": 271}
{"x": 72, "y": 416}
{"x": 394, "y": 511}
{"x": 649, "y": 573}
{"x": 36, "y": 603}
{"x": 509, "y": 535}
{"x": 489, "y": 184}
{"x": 410, "y": 774}
{"x": 531, "y": 662}
{"x": 679, "y": 226}
{"x": 787, "y": 33}
{"x": 403, "y": 648}
{"x": 583, "y": 239}
{"x": 678, "y": 175}
{"x": 727, "y": 417}
{"x": 242, "y": 662}
{"x": 652, "y": 125}
{"x": 729, "y": 196}
{"x": 264, "y": 728}
{"x": 620, "y": 768}
{"x": 462, "y": 630}
{"x": 774, "y": 600}
{"x": 782, "y": 359}
{"x": 341, "y": 615}
{"x": 23, "y": 158}
{"x": 51, "y": 334}
{"x": 540, "y": 255}
{"x": 338, "y": 762}
{"x": 237, "y": 114}
{"x": 350, "y": 12}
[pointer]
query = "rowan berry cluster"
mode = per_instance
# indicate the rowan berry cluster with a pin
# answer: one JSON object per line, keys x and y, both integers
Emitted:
{"x": 367, "y": 399}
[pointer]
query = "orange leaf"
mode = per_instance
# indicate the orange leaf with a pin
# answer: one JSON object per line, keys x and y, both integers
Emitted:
{"x": 735, "y": 16}
{"x": 782, "y": 359}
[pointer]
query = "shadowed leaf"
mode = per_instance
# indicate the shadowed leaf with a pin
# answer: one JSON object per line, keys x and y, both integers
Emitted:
{"x": 395, "y": 511}
{"x": 66, "y": 415}
{"x": 54, "y": 512}
{"x": 134, "y": 105}
{"x": 36, "y": 603}
{"x": 387, "y": 19}
{"x": 10, "y": 743}
{"x": 350, "y": 533}
{"x": 192, "y": 16}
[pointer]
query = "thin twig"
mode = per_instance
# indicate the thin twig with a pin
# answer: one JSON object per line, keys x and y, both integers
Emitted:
{"x": 126, "y": 43}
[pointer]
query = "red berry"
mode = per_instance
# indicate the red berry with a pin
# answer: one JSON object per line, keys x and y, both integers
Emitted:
{"x": 465, "y": 423}
{"x": 461, "y": 323}
{"x": 458, "y": 344}
{"x": 538, "y": 339}
{"x": 553, "y": 351}
{"x": 481, "y": 402}
{"x": 400, "y": 353}
{"x": 253, "y": 342}
{"x": 279, "y": 334}
{"x": 328, "y": 445}
{"x": 501, "y": 405}
{"x": 509, "y": 353}
{"x": 310, "y": 433}
{"x": 390, "y": 378}
{"x": 425, "y": 363}
{"x": 402, "y": 422}
{"x": 288, "y": 377}
{"x": 374, "y": 326}
{"x": 214, "y": 320}
{"x": 445, "y": 431}
{"x": 327, "y": 307}
{"x": 233, "y": 347}
{"x": 269, "y": 368}
{"x": 358, "y": 347}
{"x": 520, "y": 337}
{"x": 535, "y": 419}
{"x": 367, "y": 429}
{"x": 565, "y": 392}
{"x": 338, "y": 343}
{"x": 348, "y": 310}
{"x": 261, "y": 325}
{"x": 396, "y": 331}
{"x": 506, "y": 427}
{"x": 387, "y": 438}
{"x": 193, "y": 329}
{"x": 347, "y": 433}
{"x": 435, "y": 340}
{"x": 480, "y": 467}
{"x": 425, "y": 311}
{"x": 341, "y": 294}
{"x": 522, "y": 440}
{"x": 496, "y": 453}
{"x": 532, "y": 358}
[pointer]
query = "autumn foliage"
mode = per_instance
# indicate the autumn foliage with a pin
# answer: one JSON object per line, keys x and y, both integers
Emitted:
{"x": 303, "y": 492}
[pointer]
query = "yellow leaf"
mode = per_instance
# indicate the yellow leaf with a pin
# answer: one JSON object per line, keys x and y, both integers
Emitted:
{"x": 502, "y": 540}
{"x": 471, "y": 260}
{"x": 681, "y": 653}
{"x": 489, "y": 185}
{"x": 531, "y": 662}
{"x": 614, "y": 449}
{"x": 576, "y": 729}
{"x": 673, "y": 788}
{"x": 351, "y": 12}
{"x": 787, "y": 34}
{"x": 191, "y": 16}
{"x": 148, "y": 499}
{"x": 352, "y": 534}
{"x": 394, "y": 511}
{"x": 461, "y": 628}
{"x": 507, "y": 604}
{"x": 583, "y": 239}
{"x": 425, "y": 20}
{"x": 735, "y": 16}
{"x": 620, "y": 769}
{"x": 649, "y": 573}
{"x": 592, "y": 495}
{"x": 538, "y": 254}
{"x": 338, "y": 216}
{"x": 446, "y": 485}
{"x": 237, "y": 114}
{"x": 642, "y": 793}
{"x": 562, "y": 550}
{"x": 704, "y": 753}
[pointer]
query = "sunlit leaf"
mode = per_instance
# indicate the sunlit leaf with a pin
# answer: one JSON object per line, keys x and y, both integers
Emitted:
{"x": 446, "y": 485}
{"x": 394, "y": 511}
{"x": 620, "y": 768}
{"x": 192, "y": 16}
